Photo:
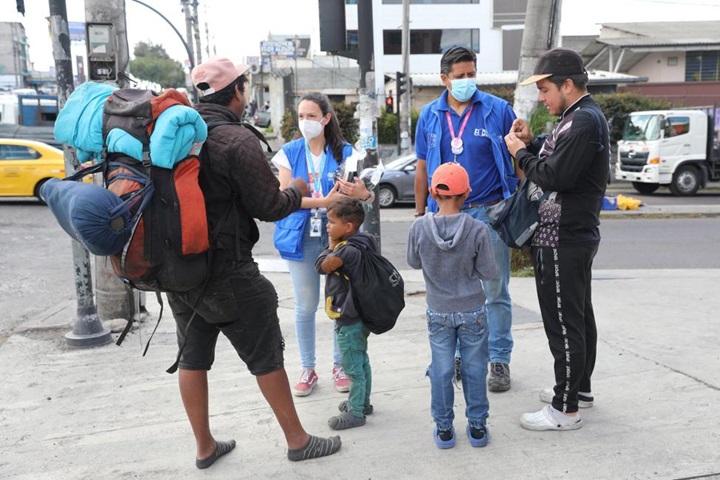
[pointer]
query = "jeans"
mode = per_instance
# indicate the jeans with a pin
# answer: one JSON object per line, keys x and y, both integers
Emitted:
{"x": 306, "y": 286}
{"x": 352, "y": 340}
{"x": 444, "y": 331}
{"x": 499, "y": 305}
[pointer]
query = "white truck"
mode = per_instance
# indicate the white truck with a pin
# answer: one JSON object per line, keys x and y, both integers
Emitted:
{"x": 669, "y": 148}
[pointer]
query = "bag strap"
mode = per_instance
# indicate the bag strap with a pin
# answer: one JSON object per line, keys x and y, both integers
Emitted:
{"x": 96, "y": 168}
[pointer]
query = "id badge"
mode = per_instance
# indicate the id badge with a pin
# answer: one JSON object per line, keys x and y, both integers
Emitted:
{"x": 315, "y": 226}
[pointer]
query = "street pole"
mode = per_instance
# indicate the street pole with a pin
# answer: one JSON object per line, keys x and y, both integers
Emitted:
{"x": 542, "y": 21}
{"x": 368, "y": 110}
{"x": 114, "y": 298}
{"x": 88, "y": 330}
{"x": 196, "y": 29}
{"x": 405, "y": 107}
{"x": 188, "y": 27}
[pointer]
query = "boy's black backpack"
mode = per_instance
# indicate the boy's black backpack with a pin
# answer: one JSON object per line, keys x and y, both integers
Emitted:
{"x": 379, "y": 292}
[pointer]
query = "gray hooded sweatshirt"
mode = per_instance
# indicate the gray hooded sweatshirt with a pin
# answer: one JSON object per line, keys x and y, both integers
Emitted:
{"x": 455, "y": 253}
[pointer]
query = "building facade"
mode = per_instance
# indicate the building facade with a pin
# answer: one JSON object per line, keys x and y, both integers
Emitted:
{"x": 492, "y": 28}
{"x": 680, "y": 60}
{"x": 14, "y": 59}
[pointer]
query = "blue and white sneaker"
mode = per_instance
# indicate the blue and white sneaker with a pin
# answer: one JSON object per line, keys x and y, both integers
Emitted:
{"x": 478, "y": 436}
{"x": 444, "y": 438}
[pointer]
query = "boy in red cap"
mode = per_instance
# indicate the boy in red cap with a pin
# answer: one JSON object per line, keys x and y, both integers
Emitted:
{"x": 455, "y": 252}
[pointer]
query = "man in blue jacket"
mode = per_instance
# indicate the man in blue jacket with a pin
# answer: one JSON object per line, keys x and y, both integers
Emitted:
{"x": 467, "y": 126}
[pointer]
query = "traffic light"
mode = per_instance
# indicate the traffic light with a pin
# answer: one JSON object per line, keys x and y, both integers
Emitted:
{"x": 389, "y": 104}
{"x": 401, "y": 81}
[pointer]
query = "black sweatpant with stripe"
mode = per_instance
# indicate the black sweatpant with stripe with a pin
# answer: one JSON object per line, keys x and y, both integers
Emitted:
{"x": 562, "y": 277}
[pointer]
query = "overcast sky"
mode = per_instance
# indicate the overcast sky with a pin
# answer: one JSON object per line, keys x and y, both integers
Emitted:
{"x": 234, "y": 33}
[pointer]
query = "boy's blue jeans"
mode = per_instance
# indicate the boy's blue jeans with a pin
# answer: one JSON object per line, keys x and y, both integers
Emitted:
{"x": 352, "y": 341}
{"x": 470, "y": 331}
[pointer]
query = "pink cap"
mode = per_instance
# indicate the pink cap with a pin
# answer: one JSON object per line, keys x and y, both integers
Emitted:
{"x": 215, "y": 74}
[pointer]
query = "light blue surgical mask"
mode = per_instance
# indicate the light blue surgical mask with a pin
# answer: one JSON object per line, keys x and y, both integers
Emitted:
{"x": 463, "y": 88}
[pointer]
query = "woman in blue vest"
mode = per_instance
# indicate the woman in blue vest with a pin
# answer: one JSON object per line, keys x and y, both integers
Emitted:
{"x": 301, "y": 237}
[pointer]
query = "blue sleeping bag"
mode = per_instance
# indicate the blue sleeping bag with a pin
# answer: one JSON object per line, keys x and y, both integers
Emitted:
{"x": 91, "y": 214}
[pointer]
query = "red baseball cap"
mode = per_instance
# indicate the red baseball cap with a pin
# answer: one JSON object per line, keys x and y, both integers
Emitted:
{"x": 215, "y": 74}
{"x": 450, "y": 179}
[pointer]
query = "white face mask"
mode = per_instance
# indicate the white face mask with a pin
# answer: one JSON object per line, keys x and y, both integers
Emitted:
{"x": 310, "y": 128}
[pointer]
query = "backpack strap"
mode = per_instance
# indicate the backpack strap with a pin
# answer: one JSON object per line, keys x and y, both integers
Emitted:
{"x": 98, "y": 167}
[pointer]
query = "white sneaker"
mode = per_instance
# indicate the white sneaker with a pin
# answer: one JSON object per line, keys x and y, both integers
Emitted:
{"x": 549, "y": 419}
{"x": 584, "y": 401}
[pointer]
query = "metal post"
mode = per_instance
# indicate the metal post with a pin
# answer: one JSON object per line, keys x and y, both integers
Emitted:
{"x": 114, "y": 298}
{"x": 368, "y": 110}
{"x": 404, "y": 104}
{"x": 188, "y": 27}
{"x": 88, "y": 330}
{"x": 196, "y": 29}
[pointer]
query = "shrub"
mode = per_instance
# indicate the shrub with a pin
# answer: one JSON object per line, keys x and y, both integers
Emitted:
{"x": 506, "y": 93}
{"x": 521, "y": 263}
{"x": 289, "y": 125}
{"x": 388, "y": 124}
{"x": 617, "y": 106}
{"x": 541, "y": 120}
{"x": 387, "y": 128}
{"x": 346, "y": 117}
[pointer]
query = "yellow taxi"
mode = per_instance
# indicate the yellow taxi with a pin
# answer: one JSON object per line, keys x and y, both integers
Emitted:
{"x": 26, "y": 164}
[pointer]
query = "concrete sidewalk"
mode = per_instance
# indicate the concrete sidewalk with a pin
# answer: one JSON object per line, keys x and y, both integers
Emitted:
{"x": 108, "y": 412}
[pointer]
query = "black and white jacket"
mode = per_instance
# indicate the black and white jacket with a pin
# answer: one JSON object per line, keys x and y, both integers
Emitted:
{"x": 573, "y": 161}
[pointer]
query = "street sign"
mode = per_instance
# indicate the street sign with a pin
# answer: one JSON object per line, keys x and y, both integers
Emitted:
{"x": 76, "y": 31}
{"x": 286, "y": 48}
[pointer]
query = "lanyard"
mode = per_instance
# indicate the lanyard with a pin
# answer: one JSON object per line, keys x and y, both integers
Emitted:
{"x": 314, "y": 175}
{"x": 456, "y": 143}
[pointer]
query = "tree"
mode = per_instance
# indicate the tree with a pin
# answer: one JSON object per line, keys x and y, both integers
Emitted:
{"x": 152, "y": 63}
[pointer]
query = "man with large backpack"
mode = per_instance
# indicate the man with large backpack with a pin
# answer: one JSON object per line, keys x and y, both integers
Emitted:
{"x": 237, "y": 300}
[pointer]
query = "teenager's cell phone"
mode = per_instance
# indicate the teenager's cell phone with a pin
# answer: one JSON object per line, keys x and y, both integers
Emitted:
{"x": 350, "y": 176}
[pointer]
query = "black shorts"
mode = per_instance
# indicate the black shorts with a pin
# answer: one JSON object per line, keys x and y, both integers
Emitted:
{"x": 240, "y": 303}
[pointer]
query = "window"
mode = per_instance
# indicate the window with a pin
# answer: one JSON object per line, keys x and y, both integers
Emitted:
{"x": 675, "y": 126}
{"x": 351, "y": 40}
{"x": 431, "y": 41}
{"x": 672, "y": 61}
{"x": 702, "y": 66}
{"x": 18, "y": 152}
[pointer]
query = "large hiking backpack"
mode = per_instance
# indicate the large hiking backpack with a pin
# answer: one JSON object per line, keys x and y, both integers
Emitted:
{"x": 166, "y": 237}
{"x": 379, "y": 292}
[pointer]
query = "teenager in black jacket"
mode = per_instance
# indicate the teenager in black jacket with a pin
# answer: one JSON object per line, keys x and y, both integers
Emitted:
{"x": 572, "y": 163}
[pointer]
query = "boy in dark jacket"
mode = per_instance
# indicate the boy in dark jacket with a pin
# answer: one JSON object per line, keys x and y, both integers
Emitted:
{"x": 341, "y": 262}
